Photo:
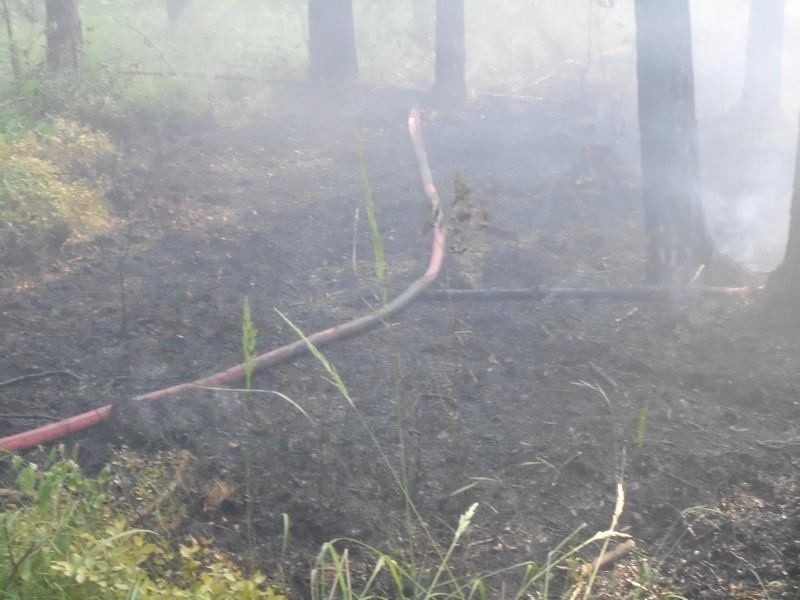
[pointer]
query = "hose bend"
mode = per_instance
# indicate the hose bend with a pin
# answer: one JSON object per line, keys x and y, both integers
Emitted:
{"x": 55, "y": 431}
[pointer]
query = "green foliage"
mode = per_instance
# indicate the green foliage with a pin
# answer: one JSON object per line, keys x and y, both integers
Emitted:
{"x": 51, "y": 189}
{"x": 249, "y": 334}
{"x": 62, "y": 538}
{"x": 372, "y": 217}
{"x": 387, "y": 577}
{"x": 144, "y": 485}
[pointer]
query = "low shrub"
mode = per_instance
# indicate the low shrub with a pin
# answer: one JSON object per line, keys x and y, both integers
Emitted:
{"x": 62, "y": 537}
{"x": 52, "y": 189}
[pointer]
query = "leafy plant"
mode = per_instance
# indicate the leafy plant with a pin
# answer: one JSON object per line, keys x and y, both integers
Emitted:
{"x": 61, "y": 537}
{"x": 51, "y": 189}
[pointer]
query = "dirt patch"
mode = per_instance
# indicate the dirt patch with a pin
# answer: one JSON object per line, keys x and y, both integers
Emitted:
{"x": 532, "y": 410}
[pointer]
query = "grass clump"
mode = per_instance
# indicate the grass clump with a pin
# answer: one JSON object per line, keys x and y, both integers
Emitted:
{"x": 446, "y": 575}
{"x": 52, "y": 189}
{"x": 62, "y": 537}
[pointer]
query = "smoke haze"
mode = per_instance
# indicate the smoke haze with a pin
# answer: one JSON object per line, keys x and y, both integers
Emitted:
{"x": 579, "y": 52}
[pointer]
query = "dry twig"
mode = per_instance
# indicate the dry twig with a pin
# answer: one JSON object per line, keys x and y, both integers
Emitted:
{"x": 30, "y": 417}
{"x": 608, "y": 558}
{"x": 603, "y": 376}
{"x": 39, "y": 375}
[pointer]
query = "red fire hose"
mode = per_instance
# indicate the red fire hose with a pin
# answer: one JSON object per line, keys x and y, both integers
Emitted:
{"x": 60, "y": 429}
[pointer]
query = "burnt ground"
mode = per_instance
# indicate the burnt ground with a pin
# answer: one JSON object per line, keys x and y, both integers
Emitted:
{"x": 493, "y": 399}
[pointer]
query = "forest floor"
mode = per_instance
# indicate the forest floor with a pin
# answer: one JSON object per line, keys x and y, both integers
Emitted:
{"x": 532, "y": 410}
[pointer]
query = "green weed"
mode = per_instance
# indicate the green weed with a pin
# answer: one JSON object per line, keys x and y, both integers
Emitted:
{"x": 377, "y": 240}
{"x": 249, "y": 335}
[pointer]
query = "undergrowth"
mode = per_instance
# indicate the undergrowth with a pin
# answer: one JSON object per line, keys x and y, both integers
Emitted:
{"x": 378, "y": 575}
{"x": 61, "y": 536}
{"x": 52, "y": 189}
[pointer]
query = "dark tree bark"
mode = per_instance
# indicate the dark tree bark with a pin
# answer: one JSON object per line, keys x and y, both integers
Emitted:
{"x": 761, "y": 94}
{"x": 674, "y": 219}
{"x": 451, "y": 55}
{"x": 64, "y": 34}
{"x": 783, "y": 285}
{"x": 332, "y": 42}
{"x": 176, "y": 10}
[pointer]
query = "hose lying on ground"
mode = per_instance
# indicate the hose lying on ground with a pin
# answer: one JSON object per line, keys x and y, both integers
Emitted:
{"x": 54, "y": 431}
{"x": 642, "y": 293}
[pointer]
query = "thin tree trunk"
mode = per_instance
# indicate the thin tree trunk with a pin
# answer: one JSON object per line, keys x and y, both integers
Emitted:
{"x": 12, "y": 46}
{"x": 176, "y": 10}
{"x": 783, "y": 285}
{"x": 451, "y": 83}
{"x": 761, "y": 95}
{"x": 423, "y": 18}
{"x": 64, "y": 34}
{"x": 668, "y": 129}
{"x": 332, "y": 42}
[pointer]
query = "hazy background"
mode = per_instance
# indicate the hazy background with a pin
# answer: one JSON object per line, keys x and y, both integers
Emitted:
{"x": 581, "y": 50}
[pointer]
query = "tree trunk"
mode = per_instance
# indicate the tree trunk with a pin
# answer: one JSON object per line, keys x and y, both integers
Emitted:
{"x": 674, "y": 219}
{"x": 783, "y": 285}
{"x": 761, "y": 95}
{"x": 423, "y": 18}
{"x": 64, "y": 34}
{"x": 451, "y": 81}
{"x": 12, "y": 46}
{"x": 176, "y": 10}
{"x": 332, "y": 42}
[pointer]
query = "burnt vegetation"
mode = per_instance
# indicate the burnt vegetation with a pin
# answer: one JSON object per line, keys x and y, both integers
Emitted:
{"x": 414, "y": 299}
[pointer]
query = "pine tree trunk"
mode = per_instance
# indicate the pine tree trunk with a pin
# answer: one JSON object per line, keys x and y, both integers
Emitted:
{"x": 64, "y": 34}
{"x": 332, "y": 42}
{"x": 674, "y": 219}
{"x": 783, "y": 285}
{"x": 451, "y": 60}
{"x": 761, "y": 95}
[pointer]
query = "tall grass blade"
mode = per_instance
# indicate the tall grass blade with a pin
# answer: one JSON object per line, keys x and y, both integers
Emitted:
{"x": 372, "y": 217}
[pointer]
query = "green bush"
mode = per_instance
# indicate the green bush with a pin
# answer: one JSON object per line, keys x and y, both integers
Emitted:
{"x": 61, "y": 537}
{"x": 52, "y": 189}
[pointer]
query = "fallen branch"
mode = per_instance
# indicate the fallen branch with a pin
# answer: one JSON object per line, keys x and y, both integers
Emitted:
{"x": 39, "y": 375}
{"x": 32, "y": 417}
{"x": 54, "y": 431}
{"x": 602, "y": 376}
{"x": 153, "y": 45}
{"x": 627, "y": 294}
{"x": 778, "y": 444}
{"x": 608, "y": 558}
{"x": 218, "y": 76}
{"x": 11, "y": 101}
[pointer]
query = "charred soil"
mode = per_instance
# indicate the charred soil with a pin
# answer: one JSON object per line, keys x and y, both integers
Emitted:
{"x": 533, "y": 410}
